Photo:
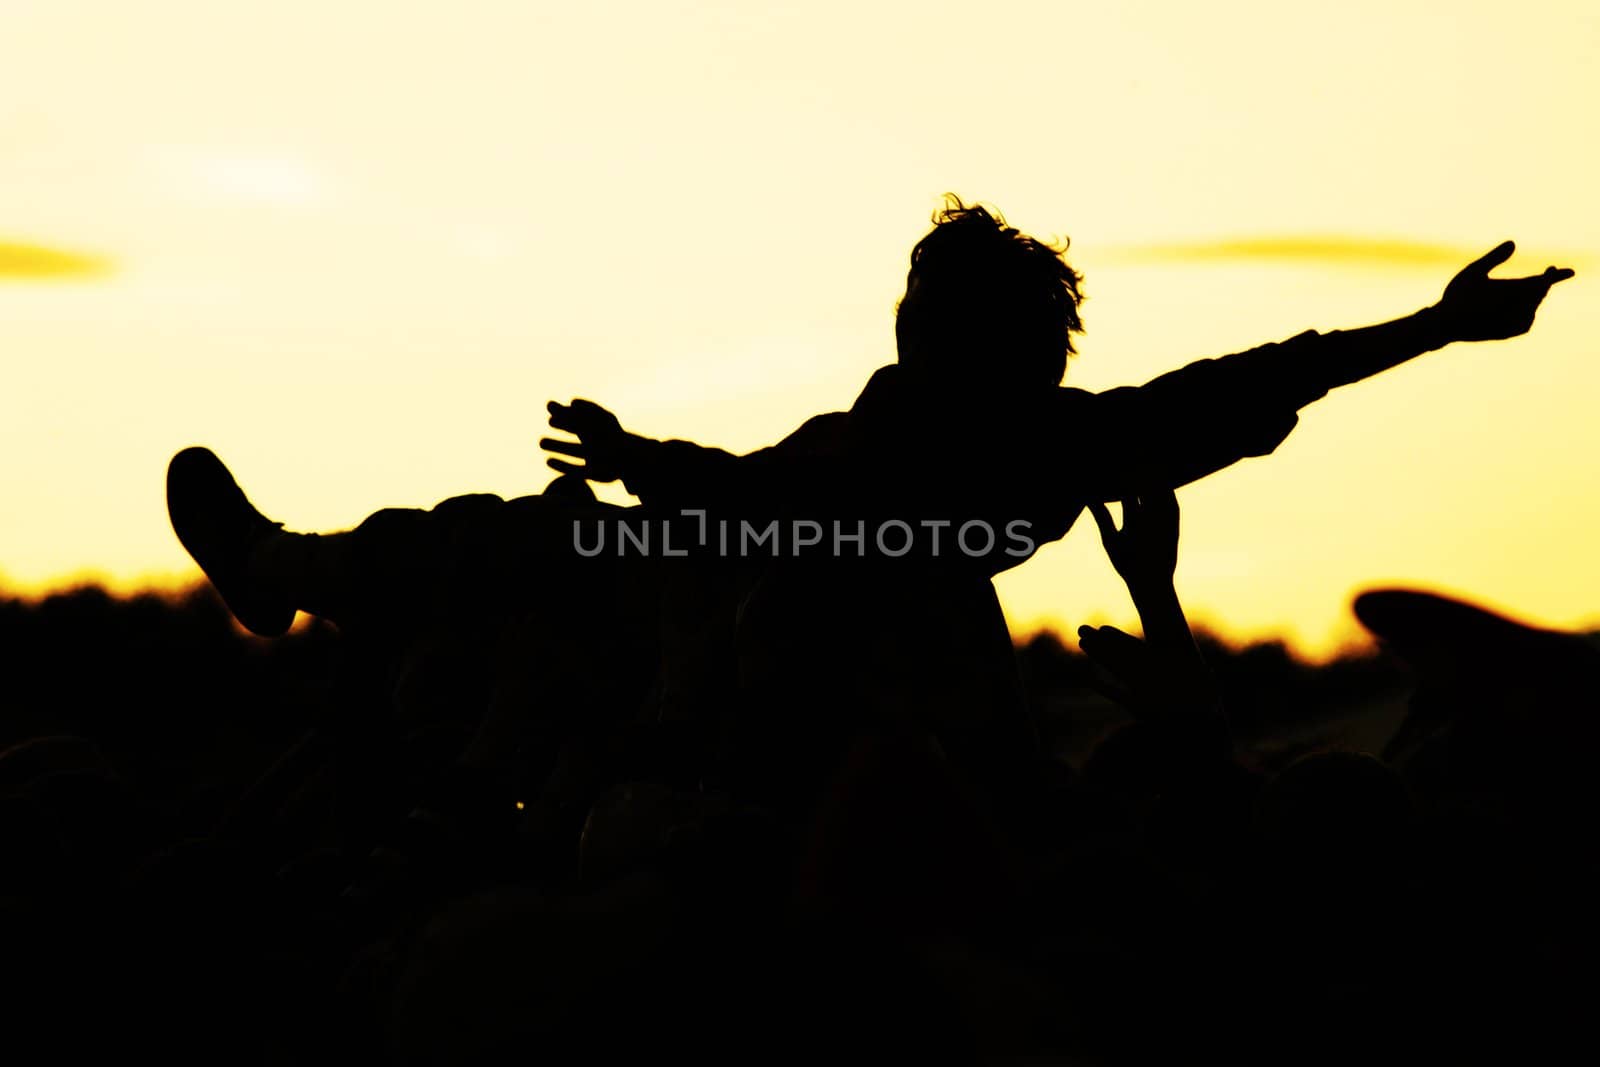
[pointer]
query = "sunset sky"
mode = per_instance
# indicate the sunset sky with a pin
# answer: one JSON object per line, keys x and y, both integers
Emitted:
{"x": 354, "y": 247}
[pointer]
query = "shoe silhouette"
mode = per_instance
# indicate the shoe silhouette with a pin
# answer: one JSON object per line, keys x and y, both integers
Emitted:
{"x": 220, "y": 528}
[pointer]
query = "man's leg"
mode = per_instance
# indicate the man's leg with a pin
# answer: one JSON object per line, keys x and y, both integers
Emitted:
{"x": 398, "y": 565}
{"x": 311, "y": 571}
{"x": 265, "y": 573}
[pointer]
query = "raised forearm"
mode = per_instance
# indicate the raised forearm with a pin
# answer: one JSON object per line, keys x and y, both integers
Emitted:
{"x": 1348, "y": 356}
{"x": 1192, "y": 706}
{"x": 1161, "y": 614}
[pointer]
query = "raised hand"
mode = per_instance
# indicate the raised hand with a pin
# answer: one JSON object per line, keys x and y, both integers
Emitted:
{"x": 1131, "y": 665}
{"x": 601, "y": 441}
{"x": 1163, "y": 686}
{"x": 1163, "y": 679}
{"x": 1476, "y": 307}
{"x": 1145, "y": 550}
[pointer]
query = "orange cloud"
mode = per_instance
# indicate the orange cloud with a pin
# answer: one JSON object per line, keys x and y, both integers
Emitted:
{"x": 30, "y": 262}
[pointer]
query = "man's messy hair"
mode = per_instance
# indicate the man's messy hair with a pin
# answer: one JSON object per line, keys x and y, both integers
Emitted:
{"x": 1014, "y": 288}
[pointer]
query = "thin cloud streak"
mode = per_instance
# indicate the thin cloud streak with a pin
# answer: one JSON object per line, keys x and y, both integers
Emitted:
{"x": 1318, "y": 250}
{"x": 20, "y": 261}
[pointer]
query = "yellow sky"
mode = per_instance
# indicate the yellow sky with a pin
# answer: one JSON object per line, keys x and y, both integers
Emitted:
{"x": 354, "y": 247}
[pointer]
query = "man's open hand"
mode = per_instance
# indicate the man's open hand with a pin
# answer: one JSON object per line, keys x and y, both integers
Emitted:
{"x": 600, "y": 443}
{"x": 1476, "y": 307}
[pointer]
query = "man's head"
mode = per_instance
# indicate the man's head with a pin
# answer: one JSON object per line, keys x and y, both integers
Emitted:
{"x": 986, "y": 304}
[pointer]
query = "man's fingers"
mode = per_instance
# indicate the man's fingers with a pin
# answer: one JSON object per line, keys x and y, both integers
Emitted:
{"x": 1496, "y": 256}
{"x": 591, "y": 412}
{"x": 581, "y": 417}
{"x": 566, "y": 468}
{"x": 566, "y": 448}
{"x": 1551, "y": 276}
{"x": 561, "y": 417}
{"x": 1530, "y": 291}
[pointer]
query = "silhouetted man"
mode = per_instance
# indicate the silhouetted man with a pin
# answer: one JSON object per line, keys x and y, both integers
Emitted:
{"x": 971, "y": 418}
{"x": 969, "y": 435}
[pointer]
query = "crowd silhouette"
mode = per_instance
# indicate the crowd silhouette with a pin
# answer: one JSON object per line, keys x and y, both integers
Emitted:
{"x": 753, "y": 772}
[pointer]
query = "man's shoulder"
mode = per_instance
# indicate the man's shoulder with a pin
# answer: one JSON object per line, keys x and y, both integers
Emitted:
{"x": 1070, "y": 394}
{"x": 1065, "y": 402}
{"x": 819, "y": 435}
{"x": 830, "y": 432}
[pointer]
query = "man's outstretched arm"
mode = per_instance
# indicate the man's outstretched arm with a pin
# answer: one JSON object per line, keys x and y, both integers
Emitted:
{"x": 1208, "y": 415}
{"x": 1475, "y": 307}
{"x": 605, "y": 452}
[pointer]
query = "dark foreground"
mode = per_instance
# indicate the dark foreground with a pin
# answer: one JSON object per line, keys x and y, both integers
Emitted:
{"x": 227, "y": 850}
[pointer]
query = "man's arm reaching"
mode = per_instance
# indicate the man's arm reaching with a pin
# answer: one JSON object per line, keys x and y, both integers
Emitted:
{"x": 1197, "y": 420}
{"x": 605, "y": 452}
{"x": 1475, "y": 307}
